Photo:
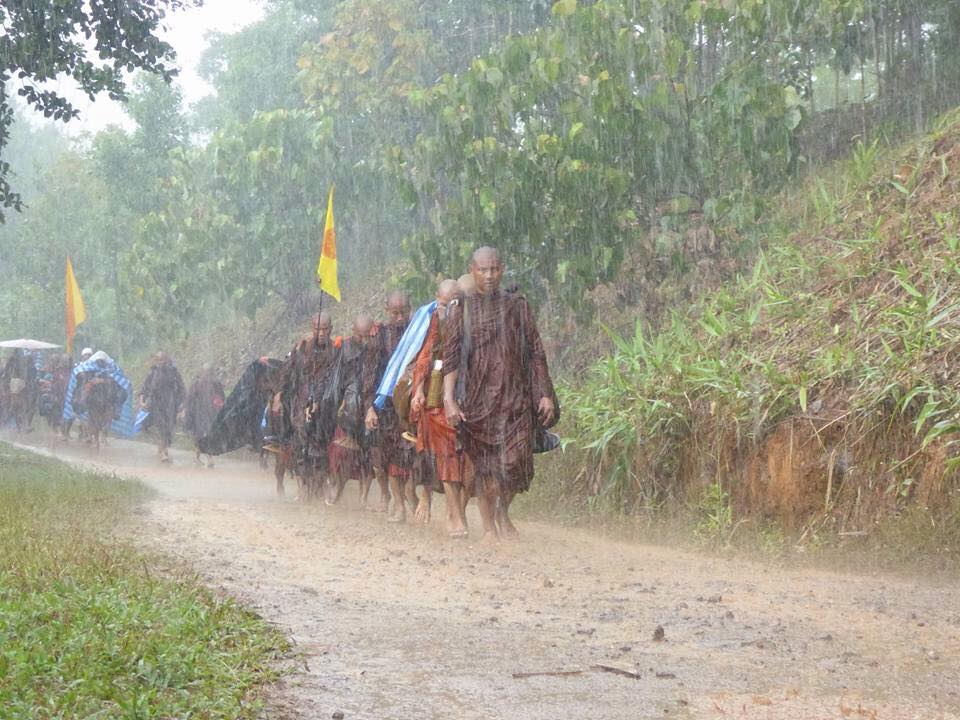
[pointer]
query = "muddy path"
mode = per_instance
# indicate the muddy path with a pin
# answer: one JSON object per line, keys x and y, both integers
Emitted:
{"x": 401, "y": 622}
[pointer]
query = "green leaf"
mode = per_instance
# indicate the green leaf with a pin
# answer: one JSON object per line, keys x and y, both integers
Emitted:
{"x": 563, "y": 8}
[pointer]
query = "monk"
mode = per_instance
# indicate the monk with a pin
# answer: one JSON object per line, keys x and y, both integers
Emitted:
{"x": 392, "y": 455}
{"x": 162, "y": 395}
{"x": 434, "y": 435}
{"x": 497, "y": 387}
{"x": 349, "y": 451}
{"x": 305, "y": 372}
{"x": 85, "y": 355}
{"x": 204, "y": 400}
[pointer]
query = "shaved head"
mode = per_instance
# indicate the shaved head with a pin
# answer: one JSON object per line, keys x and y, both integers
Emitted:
{"x": 322, "y": 326}
{"x": 467, "y": 285}
{"x": 447, "y": 290}
{"x": 398, "y": 297}
{"x": 398, "y": 308}
{"x": 487, "y": 270}
{"x": 486, "y": 253}
{"x": 362, "y": 326}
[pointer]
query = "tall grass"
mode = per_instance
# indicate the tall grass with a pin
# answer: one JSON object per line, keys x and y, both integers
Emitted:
{"x": 850, "y": 314}
{"x": 92, "y": 628}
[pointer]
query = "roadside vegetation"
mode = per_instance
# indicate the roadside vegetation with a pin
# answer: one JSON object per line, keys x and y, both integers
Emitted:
{"x": 91, "y": 627}
{"x": 819, "y": 390}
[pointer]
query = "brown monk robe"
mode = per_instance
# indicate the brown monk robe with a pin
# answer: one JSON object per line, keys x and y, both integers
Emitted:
{"x": 204, "y": 400}
{"x": 306, "y": 370}
{"x": 434, "y": 435}
{"x": 357, "y": 374}
{"x": 162, "y": 394}
{"x": 392, "y": 455}
{"x": 492, "y": 340}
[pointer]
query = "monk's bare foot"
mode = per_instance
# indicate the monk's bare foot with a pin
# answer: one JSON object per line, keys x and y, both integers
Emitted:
{"x": 489, "y": 538}
{"x": 382, "y": 506}
{"x": 398, "y": 517}
{"x": 457, "y": 529}
{"x": 422, "y": 514}
{"x": 507, "y": 528}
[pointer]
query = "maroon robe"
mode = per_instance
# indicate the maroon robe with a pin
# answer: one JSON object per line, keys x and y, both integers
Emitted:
{"x": 349, "y": 452}
{"x": 392, "y": 455}
{"x": 504, "y": 376}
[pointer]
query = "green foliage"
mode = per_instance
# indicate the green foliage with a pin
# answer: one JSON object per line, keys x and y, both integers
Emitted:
{"x": 716, "y": 514}
{"x": 42, "y": 41}
{"x": 90, "y": 628}
{"x": 560, "y": 144}
{"x": 838, "y": 312}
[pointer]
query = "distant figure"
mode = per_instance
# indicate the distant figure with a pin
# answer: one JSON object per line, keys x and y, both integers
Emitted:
{"x": 54, "y": 390}
{"x": 356, "y": 377}
{"x": 497, "y": 389}
{"x": 162, "y": 395}
{"x": 100, "y": 397}
{"x": 20, "y": 383}
{"x": 204, "y": 401}
{"x": 85, "y": 355}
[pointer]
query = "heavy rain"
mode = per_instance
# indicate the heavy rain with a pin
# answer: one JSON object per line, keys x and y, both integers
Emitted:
{"x": 480, "y": 359}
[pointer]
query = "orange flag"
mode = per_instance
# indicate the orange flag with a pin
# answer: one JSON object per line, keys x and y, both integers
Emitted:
{"x": 327, "y": 269}
{"x": 76, "y": 311}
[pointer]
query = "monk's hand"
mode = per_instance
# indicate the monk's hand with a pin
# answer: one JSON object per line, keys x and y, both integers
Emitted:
{"x": 419, "y": 400}
{"x": 373, "y": 420}
{"x": 454, "y": 413}
{"x": 546, "y": 410}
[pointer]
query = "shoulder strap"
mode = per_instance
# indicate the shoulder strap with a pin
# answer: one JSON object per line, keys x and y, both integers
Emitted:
{"x": 466, "y": 346}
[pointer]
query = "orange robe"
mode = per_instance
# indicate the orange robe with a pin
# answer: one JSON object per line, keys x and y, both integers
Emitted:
{"x": 434, "y": 434}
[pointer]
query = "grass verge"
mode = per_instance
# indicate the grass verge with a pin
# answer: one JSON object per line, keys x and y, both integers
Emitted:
{"x": 90, "y": 627}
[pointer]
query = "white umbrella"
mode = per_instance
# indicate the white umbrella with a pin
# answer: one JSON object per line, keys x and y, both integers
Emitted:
{"x": 25, "y": 344}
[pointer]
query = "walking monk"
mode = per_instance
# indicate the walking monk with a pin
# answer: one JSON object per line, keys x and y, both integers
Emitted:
{"x": 392, "y": 455}
{"x": 356, "y": 375}
{"x": 162, "y": 395}
{"x": 434, "y": 434}
{"x": 204, "y": 401}
{"x": 497, "y": 388}
{"x": 304, "y": 374}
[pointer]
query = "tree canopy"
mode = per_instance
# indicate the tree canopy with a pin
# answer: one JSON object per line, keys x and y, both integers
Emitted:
{"x": 569, "y": 134}
{"x": 92, "y": 42}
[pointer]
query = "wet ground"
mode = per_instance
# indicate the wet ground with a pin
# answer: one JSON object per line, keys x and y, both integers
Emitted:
{"x": 401, "y": 622}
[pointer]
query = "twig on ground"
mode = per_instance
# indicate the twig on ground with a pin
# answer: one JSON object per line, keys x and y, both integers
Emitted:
{"x": 618, "y": 671}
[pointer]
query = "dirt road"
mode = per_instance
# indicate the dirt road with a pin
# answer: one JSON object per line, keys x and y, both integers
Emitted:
{"x": 400, "y": 622}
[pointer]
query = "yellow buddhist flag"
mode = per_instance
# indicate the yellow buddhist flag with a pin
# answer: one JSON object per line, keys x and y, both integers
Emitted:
{"x": 327, "y": 269}
{"x": 76, "y": 312}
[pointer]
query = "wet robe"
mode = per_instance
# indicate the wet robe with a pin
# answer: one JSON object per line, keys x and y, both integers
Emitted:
{"x": 434, "y": 434}
{"x": 163, "y": 392}
{"x": 302, "y": 380}
{"x": 356, "y": 376}
{"x": 204, "y": 402}
{"x": 392, "y": 455}
{"x": 503, "y": 377}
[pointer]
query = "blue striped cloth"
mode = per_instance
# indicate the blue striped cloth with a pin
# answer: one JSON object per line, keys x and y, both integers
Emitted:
{"x": 410, "y": 343}
{"x": 127, "y": 424}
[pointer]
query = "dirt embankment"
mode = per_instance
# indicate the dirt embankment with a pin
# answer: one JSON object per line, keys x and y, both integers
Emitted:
{"x": 401, "y": 622}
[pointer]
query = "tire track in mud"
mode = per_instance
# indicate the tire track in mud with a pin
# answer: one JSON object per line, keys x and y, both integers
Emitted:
{"x": 401, "y": 622}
